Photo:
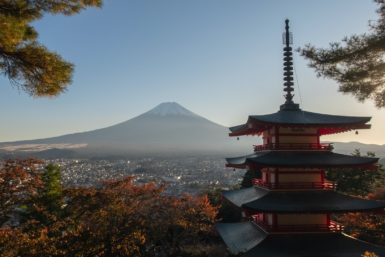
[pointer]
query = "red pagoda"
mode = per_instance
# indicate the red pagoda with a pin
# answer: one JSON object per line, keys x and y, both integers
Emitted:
{"x": 288, "y": 210}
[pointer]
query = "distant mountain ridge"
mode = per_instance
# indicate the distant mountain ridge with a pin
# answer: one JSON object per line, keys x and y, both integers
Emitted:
{"x": 349, "y": 147}
{"x": 169, "y": 128}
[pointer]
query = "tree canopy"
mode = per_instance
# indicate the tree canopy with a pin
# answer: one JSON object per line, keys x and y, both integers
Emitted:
{"x": 23, "y": 60}
{"x": 120, "y": 218}
{"x": 357, "y": 63}
{"x": 357, "y": 181}
{"x": 366, "y": 226}
{"x": 369, "y": 184}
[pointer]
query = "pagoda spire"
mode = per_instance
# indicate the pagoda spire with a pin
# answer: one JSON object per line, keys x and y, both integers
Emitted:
{"x": 288, "y": 65}
{"x": 289, "y": 202}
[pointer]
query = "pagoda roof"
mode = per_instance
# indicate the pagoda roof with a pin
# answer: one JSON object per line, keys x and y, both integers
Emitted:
{"x": 309, "y": 201}
{"x": 311, "y": 159}
{"x": 240, "y": 237}
{"x": 295, "y": 117}
{"x": 291, "y": 245}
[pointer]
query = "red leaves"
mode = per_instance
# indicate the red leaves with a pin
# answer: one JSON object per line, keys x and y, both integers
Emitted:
{"x": 120, "y": 218}
{"x": 366, "y": 226}
{"x": 20, "y": 182}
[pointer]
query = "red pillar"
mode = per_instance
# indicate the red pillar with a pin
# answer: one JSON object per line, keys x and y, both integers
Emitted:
{"x": 322, "y": 176}
{"x": 328, "y": 219}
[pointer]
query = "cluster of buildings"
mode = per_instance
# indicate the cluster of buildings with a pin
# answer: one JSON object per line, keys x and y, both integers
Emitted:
{"x": 181, "y": 175}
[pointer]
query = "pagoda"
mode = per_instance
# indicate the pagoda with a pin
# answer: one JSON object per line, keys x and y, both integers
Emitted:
{"x": 288, "y": 210}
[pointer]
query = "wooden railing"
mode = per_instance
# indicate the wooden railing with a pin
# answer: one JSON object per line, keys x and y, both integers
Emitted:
{"x": 335, "y": 226}
{"x": 331, "y": 227}
{"x": 293, "y": 146}
{"x": 328, "y": 185}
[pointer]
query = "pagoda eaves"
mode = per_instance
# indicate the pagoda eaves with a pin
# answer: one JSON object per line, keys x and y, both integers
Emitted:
{"x": 306, "y": 201}
{"x": 287, "y": 211}
{"x": 257, "y": 242}
{"x": 326, "y": 123}
{"x": 301, "y": 159}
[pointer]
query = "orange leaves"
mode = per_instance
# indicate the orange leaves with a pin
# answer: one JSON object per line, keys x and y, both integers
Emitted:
{"x": 369, "y": 254}
{"x": 20, "y": 182}
{"x": 366, "y": 226}
{"x": 43, "y": 233}
{"x": 139, "y": 220}
{"x": 120, "y": 218}
{"x": 379, "y": 194}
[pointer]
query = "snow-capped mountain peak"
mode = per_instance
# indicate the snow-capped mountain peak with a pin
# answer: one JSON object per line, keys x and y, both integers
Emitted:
{"x": 170, "y": 108}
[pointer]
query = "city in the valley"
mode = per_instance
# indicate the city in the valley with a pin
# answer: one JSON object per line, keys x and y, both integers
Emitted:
{"x": 192, "y": 175}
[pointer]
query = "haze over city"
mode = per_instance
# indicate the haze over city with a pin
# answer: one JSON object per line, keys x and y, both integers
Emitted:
{"x": 220, "y": 59}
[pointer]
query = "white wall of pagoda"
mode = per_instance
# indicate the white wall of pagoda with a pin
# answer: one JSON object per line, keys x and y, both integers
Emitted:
{"x": 298, "y": 131}
{"x": 298, "y": 140}
{"x": 297, "y": 175}
{"x": 289, "y": 178}
{"x": 285, "y": 135}
{"x": 302, "y": 219}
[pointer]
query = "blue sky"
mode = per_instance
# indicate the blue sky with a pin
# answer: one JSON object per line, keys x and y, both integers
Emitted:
{"x": 221, "y": 59}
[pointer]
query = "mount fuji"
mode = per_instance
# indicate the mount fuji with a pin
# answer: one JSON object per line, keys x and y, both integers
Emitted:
{"x": 167, "y": 129}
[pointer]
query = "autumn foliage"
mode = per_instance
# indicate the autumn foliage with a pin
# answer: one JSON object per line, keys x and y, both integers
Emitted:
{"x": 20, "y": 182}
{"x": 120, "y": 218}
{"x": 369, "y": 184}
{"x": 367, "y": 226}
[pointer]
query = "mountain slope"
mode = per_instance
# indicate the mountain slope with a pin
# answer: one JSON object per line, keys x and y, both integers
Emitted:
{"x": 167, "y": 128}
{"x": 348, "y": 148}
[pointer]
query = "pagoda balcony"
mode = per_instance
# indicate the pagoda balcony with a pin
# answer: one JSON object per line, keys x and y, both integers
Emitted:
{"x": 297, "y": 228}
{"x": 326, "y": 185}
{"x": 294, "y": 146}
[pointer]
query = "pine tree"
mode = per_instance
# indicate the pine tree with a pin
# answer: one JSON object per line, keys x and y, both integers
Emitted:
{"x": 357, "y": 181}
{"x": 247, "y": 180}
{"x": 23, "y": 60}
{"x": 53, "y": 190}
{"x": 357, "y": 64}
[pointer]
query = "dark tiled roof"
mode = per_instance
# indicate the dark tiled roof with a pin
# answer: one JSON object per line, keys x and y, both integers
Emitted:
{"x": 312, "y": 159}
{"x": 308, "y": 118}
{"x": 297, "y": 117}
{"x": 312, "y": 245}
{"x": 310, "y": 201}
{"x": 240, "y": 237}
{"x": 247, "y": 238}
{"x": 239, "y": 197}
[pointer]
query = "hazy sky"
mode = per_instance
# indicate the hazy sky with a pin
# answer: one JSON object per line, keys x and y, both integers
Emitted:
{"x": 221, "y": 59}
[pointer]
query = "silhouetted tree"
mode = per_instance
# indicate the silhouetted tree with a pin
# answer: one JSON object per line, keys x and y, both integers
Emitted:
{"x": 356, "y": 181}
{"x": 357, "y": 64}
{"x": 227, "y": 212}
{"x": 28, "y": 64}
{"x": 248, "y": 178}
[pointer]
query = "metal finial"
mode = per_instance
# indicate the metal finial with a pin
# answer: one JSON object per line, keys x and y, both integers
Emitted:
{"x": 288, "y": 64}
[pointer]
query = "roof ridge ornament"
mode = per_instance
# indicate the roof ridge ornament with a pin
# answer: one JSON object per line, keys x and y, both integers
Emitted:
{"x": 287, "y": 39}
